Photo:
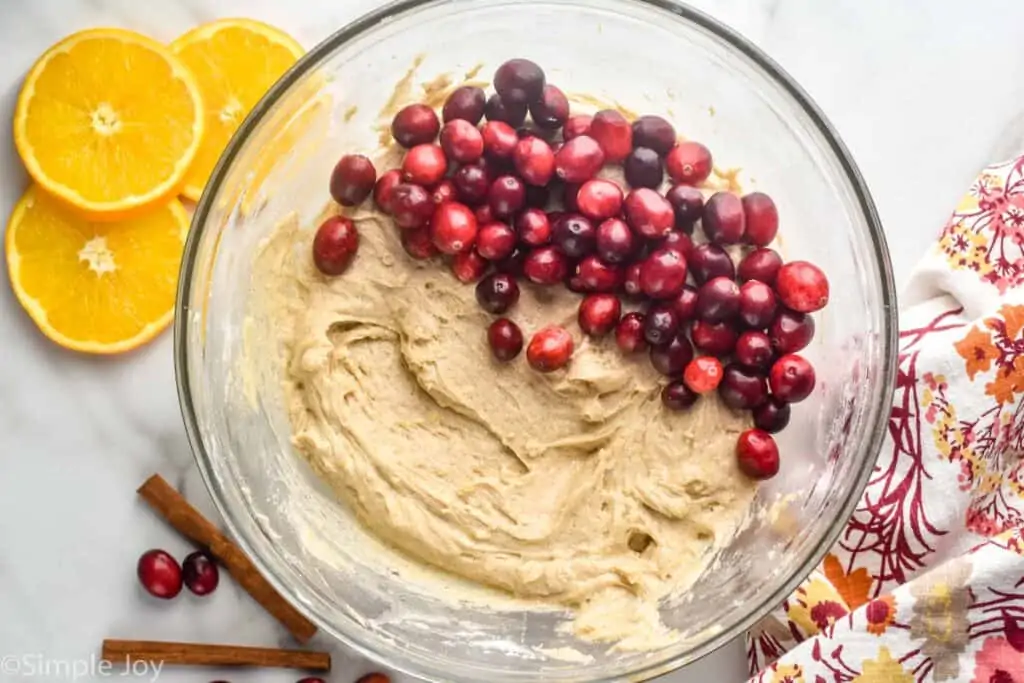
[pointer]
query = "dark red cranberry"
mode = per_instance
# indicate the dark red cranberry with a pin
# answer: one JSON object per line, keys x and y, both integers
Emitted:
{"x": 472, "y": 183}
{"x": 723, "y": 219}
{"x": 791, "y": 331}
{"x": 615, "y": 241}
{"x": 762, "y": 218}
{"x": 663, "y": 274}
{"x": 461, "y": 141}
{"x": 513, "y": 263}
{"x": 335, "y": 245}
{"x": 754, "y": 350}
{"x": 594, "y": 275}
{"x": 414, "y": 125}
{"x": 352, "y": 180}
{"x": 677, "y": 396}
{"x": 453, "y": 228}
{"x": 599, "y": 314}
{"x": 386, "y": 184}
{"x": 418, "y": 244}
{"x": 519, "y": 81}
{"x": 661, "y": 325}
{"x": 599, "y": 199}
{"x": 631, "y": 280}
{"x": 802, "y": 286}
{"x": 629, "y": 333}
{"x": 574, "y": 234}
{"x": 576, "y": 126}
{"x": 499, "y": 139}
{"x": 654, "y": 133}
{"x": 689, "y": 163}
{"x": 537, "y": 196}
{"x": 497, "y": 292}
{"x": 613, "y": 132}
{"x": 443, "y": 192}
{"x": 757, "y": 304}
{"x": 760, "y": 264}
{"x": 551, "y": 111}
{"x": 672, "y": 358}
{"x": 506, "y": 196}
{"x": 533, "y": 227}
{"x": 742, "y": 388}
{"x": 466, "y": 103}
{"x": 679, "y": 241}
{"x": 757, "y": 455}
{"x": 579, "y": 159}
{"x": 505, "y": 339}
{"x": 495, "y": 241}
{"x": 718, "y": 300}
{"x": 569, "y": 193}
{"x": 468, "y": 266}
{"x": 550, "y": 349}
{"x": 791, "y": 378}
{"x": 772, "y": 416}
{"x": 534, "y": 160}
{"x": 718, "y": 339}
{"x": 484, "y": 214}
{"x": 686, "y": 304}
{"x": 703, "y": 374}
{"x": 424, "y": 165}
{"x": 159, "y": 574}
{"x": 708, "y": 261}
{"x": 545, "y": 266}
{"x": 199, "y": 572}
{"x": 687, "y": 204}
{"x": 643, "y": 168}
{"x": 648, "y": 213}
{"x": 497, "y": 109}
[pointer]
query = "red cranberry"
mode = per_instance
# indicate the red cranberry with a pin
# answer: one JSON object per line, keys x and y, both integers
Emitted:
{"x": 569, "y": 193}
{"x": 453, "y": 228}
{"x": 335, "y": 244}
{"x": 497, "y": 292}
{"x": 472, "y": 183}
{"x": 661, "y": 325}
{"x": 533, "y": 227}
{"x": 708, "y": 261}
{"x": 757, "y": 304}
{"x": 506, "y": 196}
{"x": 723, "y": 218}
{"x": 484, "y": 214}
{"x": 757, "y": 454}
{"x": 159, "y": 574}
{"x": 505, "y": 339}
{"x": 672, "y": 358}
{"x": 495, "y": 241}
{"x": 499, "y": 139}
{"x": 754, "y": 350}
{"x": 545, "y": 266}
{"x": 599, "y": 199}
{"x": 677, "y": 396}
{"x": 550, "y": 349}
{"x": 519, "y": 81}
{"x": 631, "y": 280}
{"x": 663, "y": 274}
{"x": 648, "y": 213}
{"x": 534, "y": 160}
{"x": 497, "y": 109}
{"x": 654, "y": 133}
{"x": 513, "y": 263}
{"x": 791, "y": 331}
{"x": 576, "y": 126}
{"x": 703, "y": 374}
{"x": 613, "y": 132}
{"x": 599, "y": 314}
{"x": 686, "y": 304}
{"x": 678, "y": 241}
{"x": 791, "y": 378}
{"x": 760, "y": 264}
{"x": 466, "y": 103}
{"x": 537, "y": 196}
{"x": 689, "y": 163}
{"x": 418, "y": 244}
{"x": 424, "y": 165}
{"x": 200, "y": 573}
{"x": 579, "y": 159}
{"x": 443, "y": 192}
{"x": 802, "y": 286}
{"x": 629, "y": 333}
{"x": 574, "y": 235}
{"x": 552, "y": 109}
{"x": 643, "y": 168}
{"x": 772, "y": 416}
{"x": 461, "y": 141}
{"x": 687, "y": 204}
{"x": 414, "y": 125}
{"x": 615, "y": 241}
{"x": 742, "y": 388}
{"x": 468, "y": 266}
{"x": 352, "y": 179}
{"x": 594, "y": 275}
{"x": 718, "y": 339}
{"x": 386, "y": 184}
{"x": 762, "y": 218}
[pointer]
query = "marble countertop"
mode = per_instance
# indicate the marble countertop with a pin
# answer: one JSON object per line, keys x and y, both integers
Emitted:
{"x": 923, "y": 100}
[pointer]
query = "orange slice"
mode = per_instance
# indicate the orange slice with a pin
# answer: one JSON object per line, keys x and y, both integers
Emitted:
{"x": 109, "y": 121}
{"x": 235, "y": 61}
{"x": 98, "y": 287}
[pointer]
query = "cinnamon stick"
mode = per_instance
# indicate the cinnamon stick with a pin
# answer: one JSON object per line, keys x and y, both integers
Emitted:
{"x": 196, "y": 654}
{"x": 173, "y": 507}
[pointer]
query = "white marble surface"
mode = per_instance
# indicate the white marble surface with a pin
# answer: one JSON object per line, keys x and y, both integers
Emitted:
{"x": 923, "y": 98}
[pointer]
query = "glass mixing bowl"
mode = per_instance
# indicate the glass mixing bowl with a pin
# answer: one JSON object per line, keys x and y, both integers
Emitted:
{"x": 652, "y": 56}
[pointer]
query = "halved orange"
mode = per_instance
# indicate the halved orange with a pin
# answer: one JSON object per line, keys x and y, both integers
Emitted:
{"x": 97, "y": 287}
{"x": 109, "y": 121}
{"x": 235, "y": 61}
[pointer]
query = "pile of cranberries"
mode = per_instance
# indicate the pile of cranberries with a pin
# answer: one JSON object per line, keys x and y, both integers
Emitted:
{"x": 508, "y": 201}
{"x": 162, "y": 576}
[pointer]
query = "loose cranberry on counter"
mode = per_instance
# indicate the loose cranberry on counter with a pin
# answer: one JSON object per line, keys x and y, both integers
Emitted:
{"x": 551, "y": 111}
{"x": 497, "y": 292}
{"x": 689, "y": 163}
{"x": 761, "y": 264}
{"x": 677, "y": 396}
{"x": 654, "y": 133}
{"x": 613, "y": 132}
{"x": 661, "y": 325}
{"x": 495, "y": 241}
{"x": 757, "y": 304}
{"x": 718, "y": 300}
{"x": 466, "y": 103}
{"x": 579, "y": 159}
{"x": 386, "y": 184}
{"x": 499, "y": 139}
{"x": 414, "y": 125}
{"x": 772, "y": 416}
{"x": 631, "y": 280}
{"x": 672, "y": 358}
{"x": 468, "y": 266}
{"x": 199, "y": 572}
{"x": 679, "y": 241}
{"x": 513, "y": 263}
{"x": 594, "y": 275}
{"x": 599, "y": 199}
{"x": 791, "y": 378}
{"x": 686, "y": 304}
{"x": 703, "y": 374}
{"x": 424, "y": 165}
{"x": 629, "y": 333}
{"x": 418, "y": 244}
{"x": 537, "y": 196}
{"x": 754, "y": 350}
{"x": 533, "y": 227}
{"x": 506, "y": 195}
{"x": 574, "y": 234}
{"x": 718, "y": 339}
{"x": 453, "y": 228}
{"x": 757, "y": 455}
{"x": 505, "y": 339}
{"x": 643, "y": 168}
{"x": 352, "y": 179}
{"x": 663, "y": 274}
{"x": 762, "y": 218}
{"x": 599, "y": 314}
{"x": 802, "y": 286}
{"x": 791, "y": 331}
{"x": 534, "y": 160}
{"x": 462, "y": 141}
{"x": 576, "y": 126}
{"x": 335, "y": 245}
{"x": 708, "y": 261}
{"x": 550, "y": 349}
{"x": 519, "y": 81}
{"x": 545, "y": 266}
{"x": 497, "y": 109}
{"x": 615, "y": 241}
{"x": 159, "y": 574}
{"x": 648, "y": 213}
{"x": 742, "y": 388}
{"x": 687, "y": 204}
{"x": 723, "y": 219}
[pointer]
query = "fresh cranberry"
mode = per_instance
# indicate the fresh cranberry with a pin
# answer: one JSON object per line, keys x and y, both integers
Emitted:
{"x": 424, "y": 165}
{"x": 689, "y": 163}
{"x": 499, "y": 139}
{"x": 663, "y": 274}
{"x": 545, "y": 266}
{"x": 574, "y": 235}
{"x": 537, "y": 196}
{"x": 762, "y": 218}
{"x": 352, "y": 179}
{"x": 613, "y": 132}
{"x": 579, "y": 159}
{"x": 495, "y": 241}
{"x": 551, "y": 111}
{"x": 576, "y": 126}
{"x": 718, "y": 300}
{"x": 506, "y": 196}
{"x": 629, "y": 333}
{"x": 791, "y": 378}
{"x": 444, "y": 191}
{"x": 686, "y": 304}
{"x": 742, "y": 388}
{"x": 461, "y": 141}
{"x": 199, "y": 572}
{"x": 761, "y": 264}
{"x": 661, "y": 325}
{"x": 466, "y": 103}
{"x": 534, "y": 160}
{"x": 468, "y": 266}
{"x": 418, "y": 244}
{"x": 648, "y": 213}
{"x": 757, "y": 454}
{"x": 772, "y": 416}
{"x": 643, "y": 168}
{"x": 687, "y": 204}
{"x": 654, "y": 133}
{"x": 484, "y": 214}
{"x": 533, "y": 227}
{"x": 497, "y": 292}
{"x": 631, "y": 280}
{"x": 723, "y": 219}
{"x": 672, "y": 358}
{"x": 754, "y": 349}
{"x": 335, "y": 245}
{"x": 594, "y": 275}
{"x": 519, "y": 81}
{"x": 677, "y": 396}
{"x": 757, "y": 304}
{"x": 708, "y": 261}
{"x": 718, "y": 339}
{"x": 505, "y": 339}
{"x": 678, "y": 241}
{"x": 414, "y": 125}
{"x": 802, "y": 286}
{"x": 615, "y": 241}
{"x": 569, "y": 193}
{"x": 497, "y": 109}
{"x": 599, "y": 199}
{"x": 453, "y": 228}
{"x": 550, "y": 349}
{"x": 791, "y": 331}
{"x": 599, "y": 314}
{"x": 159, "y": 574}
{"x": 702, "y": 374}
{"x": 382, "y": 191}
{"x": 513, "y": 263}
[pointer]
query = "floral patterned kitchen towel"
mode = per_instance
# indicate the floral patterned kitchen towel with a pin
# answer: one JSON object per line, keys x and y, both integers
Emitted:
{"x": 926, "y": 582}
